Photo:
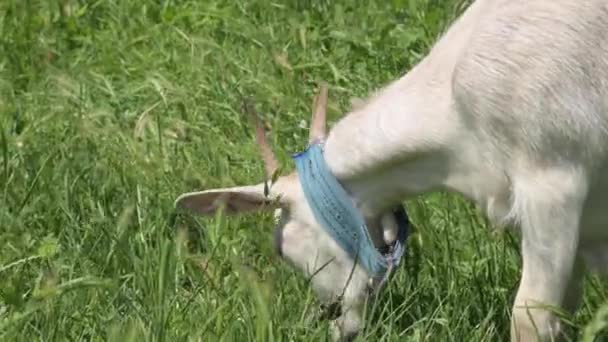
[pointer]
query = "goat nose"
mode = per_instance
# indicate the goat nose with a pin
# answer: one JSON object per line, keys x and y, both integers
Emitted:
{"x": 278, "y": 240}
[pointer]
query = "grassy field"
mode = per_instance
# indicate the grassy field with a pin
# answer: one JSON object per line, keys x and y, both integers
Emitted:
{"x": 109, "y": 109}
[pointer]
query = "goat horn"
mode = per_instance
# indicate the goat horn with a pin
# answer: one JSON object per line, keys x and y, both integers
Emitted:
{"x": 319, "y": 115}
{"x": 271, "y": 164}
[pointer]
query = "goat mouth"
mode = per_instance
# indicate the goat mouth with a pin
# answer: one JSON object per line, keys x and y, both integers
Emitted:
{"x": 330, "y": 311}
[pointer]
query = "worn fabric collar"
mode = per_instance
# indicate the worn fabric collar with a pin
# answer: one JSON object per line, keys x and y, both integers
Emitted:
{"x": 335, "y": 211}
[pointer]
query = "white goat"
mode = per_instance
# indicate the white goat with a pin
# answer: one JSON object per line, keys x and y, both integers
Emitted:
{"x": 510, "y": 109}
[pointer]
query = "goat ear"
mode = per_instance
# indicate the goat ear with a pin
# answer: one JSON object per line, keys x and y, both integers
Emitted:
{"x": 233, "y": 200}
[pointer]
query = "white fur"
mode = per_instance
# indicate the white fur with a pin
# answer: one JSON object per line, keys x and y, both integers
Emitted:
{"x": 510, "y": 109}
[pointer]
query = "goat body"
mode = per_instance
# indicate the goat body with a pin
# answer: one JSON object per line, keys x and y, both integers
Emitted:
{"x": 510, "y": 109}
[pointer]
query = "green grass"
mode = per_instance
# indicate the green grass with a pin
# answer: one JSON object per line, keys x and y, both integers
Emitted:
{"x": 111, "y": 109}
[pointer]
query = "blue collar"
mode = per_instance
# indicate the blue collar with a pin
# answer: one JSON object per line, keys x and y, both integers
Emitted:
{"x": 334, "y": 210}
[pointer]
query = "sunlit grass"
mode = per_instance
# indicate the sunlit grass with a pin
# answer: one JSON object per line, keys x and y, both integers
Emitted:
{"x": 110, "y": 109}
